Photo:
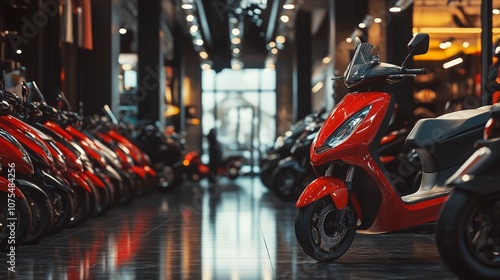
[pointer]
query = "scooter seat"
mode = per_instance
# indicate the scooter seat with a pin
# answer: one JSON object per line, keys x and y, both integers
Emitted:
{"x": 433, "y": 130}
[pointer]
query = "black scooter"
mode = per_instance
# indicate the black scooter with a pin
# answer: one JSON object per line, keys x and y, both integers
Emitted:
{"x": 468, "y": 229}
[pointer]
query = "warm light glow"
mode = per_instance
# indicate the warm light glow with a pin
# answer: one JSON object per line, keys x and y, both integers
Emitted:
{"x": 199, "y": 42}
{"x": 187, "y": 6}
{"x": 127, "y": 67}
{"x": 317, "y": 87}
{"x": 19, "y": 51}
{"x": 496, "y": 11}
{"x": 272, "y": 44}
{"x": 193, "y": 28}
{"x": 236, "y": 40}
{"x": 445, "y": 45}
{"x": 204, "y": 54}
{"x": 274, "y": 50}
{"x": 189, "y": 18}
{"x": 289, "y": 6}
{"x": 362, "y": 25}
{"x": 280, "y": 39}
{"x": 377, "y": 20}
{"x": 453, "y": 62}
{"x": 206, "y": 67}
{"x": 395, "y": 9}
{"x": 465, "y": 44}
{"x": 284, "y": 18}
{"x": 185, "y": 162}
{"x": 236, "y": 50}
{"x": 122, "y": 31}
{"x": 236, "y": 66}
{"x": 451, "y": 30}
{"x": 235, "y": 31}
{"x": 326, "y": 59}
{"x": 348, "y": 40}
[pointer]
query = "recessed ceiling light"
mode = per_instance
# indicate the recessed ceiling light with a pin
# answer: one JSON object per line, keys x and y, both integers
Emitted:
{"x": 280, "y": 39}
{"x": 193, "y": 28}
{"x": 199, "y": 42}
{"x": 235, "y": 31}
{"x": 187, "y": 6}
{"x": 236, "y": 40}
{"x": 122, "y": 31}
{"x": 204, "y": 54}
{"x": 274, "y": 50}
{"x": 284, "y": 18}
{"x": 189, "y": 18}
{"x": 272, "y": 44}
{"x": 377, "y": 20}
{"x": 289, "y": 6}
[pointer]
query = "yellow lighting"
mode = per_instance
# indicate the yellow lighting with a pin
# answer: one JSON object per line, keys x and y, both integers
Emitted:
{"x": 348, "y": 40}
{"x": 189, "y": 18}
{"x": 280, "y": 39}
{"x": 289, "y": 6}
{"x": 236, "y": 66}
{"x": 236, "y": 50}
{"x": 326, "y": 59}
{"x": 204, "y": 54}
{"x": 496, "y": 11}
{"x": 127, "y": 67}
{"x": 185, "y": 162}
{"x": 284, "y": 18}
{"x": 362, "y": 25}
{"x": 465, "y": 44}
{"x": 236, "y": 40}
{"x": 451, "y": 30}
{"x": 235, "y": 31}
{"x": 187, "y": 6}
{"x": 272, "y": 44}
{"x": 274, "y": 50}
{"x": 317, "y": 87}
{"x": 199, "y": 42}
{"x": 377, "y": 20}
{"x": 206, "y": 67}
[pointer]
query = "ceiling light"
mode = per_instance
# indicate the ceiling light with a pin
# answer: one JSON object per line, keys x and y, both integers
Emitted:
{"x": 272, "y": 44}
{"x": 284, "y": 18}
{"x": 496, "y": 11}
{"x": 326, "y": 60}
{"x": 395, "y": 9}
{"x": 465, "y": 44}
{"x": 189, "y": 18}
{"x": 127, "y": 67}
{"x": 377, "y": 20}
{"x": 289, "y": 6}
{"x": 274, "y": 50}
{"x": 236, "y": 66}
{"x": 348, "y": 40}
{"x": 280, "y": 39}
{"x": 236, "y": 50}
{"x": 122, "y": 31}
{"x": 204, "y": 54}
{"x": 453, "y": 62}
{"x": 362, "y": 25}
{"x": 199, "y": 42}
{"x": 187, "y": 6}
{"x": 235, "y": 31}
{"x": 19, "y": 51}
{"x": 236, "y": 40}
{"x": 206, "y": 67}
{"x": 317, "y": 87}
{"x": 193, "y": 28}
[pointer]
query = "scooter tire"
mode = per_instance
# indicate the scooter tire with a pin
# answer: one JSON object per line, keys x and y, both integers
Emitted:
{"x": 63, "y": 209}
{"x": 313, "y": 224}
{"x": 23, "y": 222}
{"x": 465, "y": 223}
{"x": 42, "y": 216}
{"x": 82, "y": 207}
{"x": 286, "y": 184}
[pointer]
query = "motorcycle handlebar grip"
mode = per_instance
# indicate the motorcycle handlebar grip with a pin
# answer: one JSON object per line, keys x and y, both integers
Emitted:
{"x": 418, "y": 71}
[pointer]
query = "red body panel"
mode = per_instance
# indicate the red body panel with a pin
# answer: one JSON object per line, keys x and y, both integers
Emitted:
{"x": 4, "y": 187}
{"x": 76, "y": 178}
{"x": 10, "y": 153}
{"x": 59, "y": 130}
{"x": 94, "y": 179}
{"x": 393, "y": 213}
{"x": 18, "y": 128}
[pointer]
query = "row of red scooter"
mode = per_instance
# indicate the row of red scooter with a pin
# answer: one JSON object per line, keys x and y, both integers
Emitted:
{"x": 58, "y": 168}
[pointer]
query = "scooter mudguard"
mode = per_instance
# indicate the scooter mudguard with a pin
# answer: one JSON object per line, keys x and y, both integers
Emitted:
{"x": 7, "y": 187}
{"x": 77, "y": 180}
{"x": 55, "y": 183}
{"x": 322, "y": 187}
{"x": 26, "y": 187}
{"x": 94, "y": 179}
{"x": 150, "y": 171}
{"x": 139, "y": 171}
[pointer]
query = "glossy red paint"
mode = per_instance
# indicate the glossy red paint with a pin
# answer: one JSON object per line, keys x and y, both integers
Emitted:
{"x": 77, "y": 179}
{"x": 94, "y": 179}
{"x": 139, "y": 171}
{"x": 58, "y": 129}
{"x": 25, "y": 134}
{"x": 322, "y": 187}
{"x": 70, "y": 157}
{"x": 14, "y": 153}
{"x": 8, "y": 187}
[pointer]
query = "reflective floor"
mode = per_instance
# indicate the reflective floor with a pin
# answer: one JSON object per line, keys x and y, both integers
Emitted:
{"x": 239, "y": 231}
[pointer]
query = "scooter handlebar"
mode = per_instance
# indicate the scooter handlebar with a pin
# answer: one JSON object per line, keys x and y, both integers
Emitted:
{"x": 417, "y": 71}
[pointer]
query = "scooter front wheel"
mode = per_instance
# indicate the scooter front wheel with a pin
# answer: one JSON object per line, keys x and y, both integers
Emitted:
{"x": 468, "y": 234}
{"x": 324, "y": 232}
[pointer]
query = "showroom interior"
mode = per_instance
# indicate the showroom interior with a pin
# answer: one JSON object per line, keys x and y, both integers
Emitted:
{"x": 180, "y": 139}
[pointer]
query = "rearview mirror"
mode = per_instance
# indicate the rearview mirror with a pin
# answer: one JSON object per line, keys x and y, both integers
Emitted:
{"x": 419, "y": 44}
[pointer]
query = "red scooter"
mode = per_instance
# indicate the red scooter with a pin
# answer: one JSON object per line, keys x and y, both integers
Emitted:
{"x": 354, "y": 190}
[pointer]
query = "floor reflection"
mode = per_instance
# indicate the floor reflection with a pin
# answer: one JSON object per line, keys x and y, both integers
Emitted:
{"x": 234, "y": 231}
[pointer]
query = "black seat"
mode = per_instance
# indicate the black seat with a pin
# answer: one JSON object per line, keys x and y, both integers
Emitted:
{"x": 433, "y": 130}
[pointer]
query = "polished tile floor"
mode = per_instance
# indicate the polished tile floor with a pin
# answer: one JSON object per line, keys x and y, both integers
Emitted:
{"x": 240, "y": 231}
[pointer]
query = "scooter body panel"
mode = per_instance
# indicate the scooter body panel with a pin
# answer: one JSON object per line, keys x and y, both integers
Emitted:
{"x": 8, "y": 187}
{"x": 322, "y": 187}
{"x": 11, "y": 151}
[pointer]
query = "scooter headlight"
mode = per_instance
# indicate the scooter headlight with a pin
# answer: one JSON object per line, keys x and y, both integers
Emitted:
{"x": 345, "y": 130}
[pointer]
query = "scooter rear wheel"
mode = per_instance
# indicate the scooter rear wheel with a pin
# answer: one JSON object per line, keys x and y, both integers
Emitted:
{"x": 468, "y": 234}
{"x": 287, "y": 184}
{"x": 323, "y": 234}
{"x": 22, "y": 214}
{"x": 42, "y": 216}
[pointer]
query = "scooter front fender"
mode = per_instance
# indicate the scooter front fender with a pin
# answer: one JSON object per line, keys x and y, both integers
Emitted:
{"x": 322, "y": 187}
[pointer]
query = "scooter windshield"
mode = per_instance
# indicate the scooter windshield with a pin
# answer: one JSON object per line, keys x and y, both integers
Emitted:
{"x": 365, "y": 57}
